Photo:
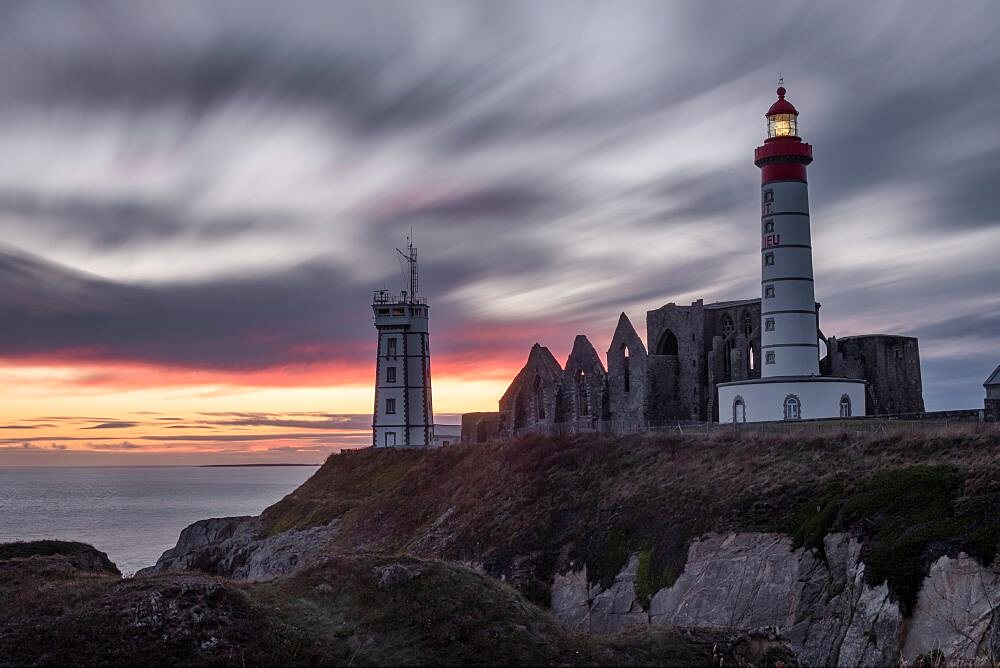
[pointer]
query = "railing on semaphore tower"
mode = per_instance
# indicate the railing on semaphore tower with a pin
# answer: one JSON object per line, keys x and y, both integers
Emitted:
{"x": 382, "y": 297}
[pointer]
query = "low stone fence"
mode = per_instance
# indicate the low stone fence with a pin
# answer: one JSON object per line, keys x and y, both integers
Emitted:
{"x": 964, "y": 421}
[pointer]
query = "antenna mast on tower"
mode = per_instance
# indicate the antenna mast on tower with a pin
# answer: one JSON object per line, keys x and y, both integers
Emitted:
{"x": 411, "y": 257}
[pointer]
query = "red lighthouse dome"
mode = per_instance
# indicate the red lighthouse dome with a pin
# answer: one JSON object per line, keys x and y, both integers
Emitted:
{"x": 781, "y": 105}
{"x": 782, "y": 118}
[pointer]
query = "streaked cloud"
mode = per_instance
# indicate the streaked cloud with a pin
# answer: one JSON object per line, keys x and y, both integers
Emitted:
{"x": 199, "y": 197}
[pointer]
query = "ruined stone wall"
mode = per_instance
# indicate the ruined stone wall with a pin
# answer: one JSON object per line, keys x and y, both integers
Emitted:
{"x": 691, "y": 349}
{"x": 676, "y": 362}
{"x": 732, "y": 335}
{"x": 480, "y": 427}
{"x": 533, "y": 396}
{"x": 583, "y": 391}
{"x": 627, "y": 376}
{"x": 890, "y": 364}
{"x": 992, "y": 410}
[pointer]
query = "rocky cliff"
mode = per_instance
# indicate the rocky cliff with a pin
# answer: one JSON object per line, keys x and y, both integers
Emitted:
{"x": 858, "y": 550}
{"x": 61, "y": 604}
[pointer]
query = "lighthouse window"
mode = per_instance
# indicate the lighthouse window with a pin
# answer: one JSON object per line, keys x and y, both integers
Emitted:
{"x": 769, "y": 291}
{"x": 769, "y": 259}
{"x": 383, "y": 311}
{"x": 769, "y": 325}
{"x": 390, "y": 406}
{"x": 768, "y": 196}
{"x": 769, "y": 226}
{"x": 782, "y": 125}
{"x": 769, "y": 357}
{"x": 390, "y": 374}
{"x": 391, "y": 344}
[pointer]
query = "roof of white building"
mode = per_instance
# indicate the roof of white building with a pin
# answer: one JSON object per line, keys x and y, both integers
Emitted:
{"x": 994, "y": 378}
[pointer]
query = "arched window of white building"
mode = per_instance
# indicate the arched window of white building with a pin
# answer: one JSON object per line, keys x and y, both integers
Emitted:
{"x": 793, "y": 408}
{"x": 739, "y": 409}
{"x": 845, "y": 406}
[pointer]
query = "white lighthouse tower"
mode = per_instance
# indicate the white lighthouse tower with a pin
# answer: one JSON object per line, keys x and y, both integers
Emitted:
{"x": 790, "y": 387}
{"x": 403, "y": 415}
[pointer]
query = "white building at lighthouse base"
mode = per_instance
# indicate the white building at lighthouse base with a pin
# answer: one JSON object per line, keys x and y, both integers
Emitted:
{"x": 781, "y": 398}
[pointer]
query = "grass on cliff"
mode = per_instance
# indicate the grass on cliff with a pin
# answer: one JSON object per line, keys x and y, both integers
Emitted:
{"x": 906, "y": 518}
{"x": 527, "y": 509}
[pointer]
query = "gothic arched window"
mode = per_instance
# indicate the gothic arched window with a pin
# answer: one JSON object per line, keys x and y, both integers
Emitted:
{"x": 667, "y": 344}
{"x": 539, "y": 399}
{"x": 845, "y": 406}
{"x": 739, "y": 409}
{"x": 582, "y": 400}
{"x": 748, "y": 324}
{"x": 625, "y": 368}
{"x": 793, "y": 408}
{"x": 727, "y": 326}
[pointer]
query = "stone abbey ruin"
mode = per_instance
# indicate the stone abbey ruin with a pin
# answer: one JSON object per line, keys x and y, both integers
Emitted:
{"x": 671, "y": 378}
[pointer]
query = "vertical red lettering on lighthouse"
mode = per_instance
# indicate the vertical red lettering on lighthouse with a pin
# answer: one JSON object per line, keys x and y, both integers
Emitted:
{"x": 771, "y": 240}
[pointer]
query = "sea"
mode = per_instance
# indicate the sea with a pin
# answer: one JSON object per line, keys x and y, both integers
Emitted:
{"x": 133, "y": 513}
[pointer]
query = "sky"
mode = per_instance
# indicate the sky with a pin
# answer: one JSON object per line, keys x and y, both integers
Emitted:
{"x": 197, "y": 199}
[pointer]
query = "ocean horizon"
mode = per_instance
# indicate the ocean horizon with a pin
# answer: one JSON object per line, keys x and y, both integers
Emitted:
{"x": 133, "y": 513}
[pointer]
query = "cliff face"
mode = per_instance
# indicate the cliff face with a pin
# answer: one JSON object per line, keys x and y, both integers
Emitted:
{"x": 238, "y": 548}
{"x": 830, "y": 615}
{"x": 858, "y": 550}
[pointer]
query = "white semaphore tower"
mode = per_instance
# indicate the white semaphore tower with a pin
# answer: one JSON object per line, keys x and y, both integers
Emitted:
{"x": 403, "y": 415}
{"x": 790, "y": 387}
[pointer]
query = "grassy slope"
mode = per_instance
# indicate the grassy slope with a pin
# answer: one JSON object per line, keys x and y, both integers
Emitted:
{"x": 343, "y": 612}
{"x": 527, "y": 509}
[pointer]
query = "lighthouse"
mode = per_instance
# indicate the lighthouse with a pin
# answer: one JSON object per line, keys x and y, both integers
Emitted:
{"x": 403, "y": 415}
{"x": 790, "y": 387}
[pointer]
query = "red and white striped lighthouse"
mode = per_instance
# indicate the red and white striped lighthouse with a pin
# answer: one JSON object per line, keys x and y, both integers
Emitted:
{"x": 789, "y": 329}
{"x": 790, "y": 387}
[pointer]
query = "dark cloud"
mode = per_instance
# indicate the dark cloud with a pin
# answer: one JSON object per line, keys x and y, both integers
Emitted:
{"x": 114, "y": 425}
{"x": 121, "y": 446}
{"x": 108, "y": 223}
{"x": 234, "y": 438}
{"x": 318, "y": 421}
{"x": 257, "y": 322}
{"x": 986, "y": 325}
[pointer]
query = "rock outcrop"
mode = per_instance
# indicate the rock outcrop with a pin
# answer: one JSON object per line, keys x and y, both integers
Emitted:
{"x": 56, "y": 555}
{"x": 238, "y": 548}
{"x": 823, "y": 607}
{"x": 957, "y": 612}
